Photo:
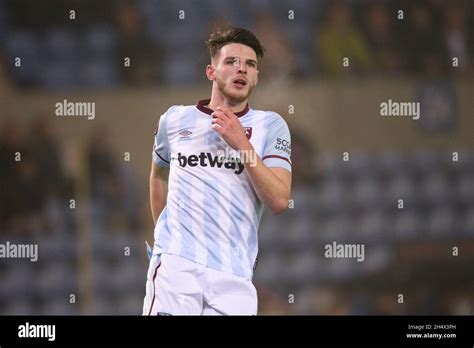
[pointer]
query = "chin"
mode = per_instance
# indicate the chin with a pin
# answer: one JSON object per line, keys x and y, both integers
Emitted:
{"x": 236, "y": 97}
{"x": 242, "y": 94}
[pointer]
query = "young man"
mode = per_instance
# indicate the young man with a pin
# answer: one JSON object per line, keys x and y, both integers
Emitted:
{"x": 226, "y": 160}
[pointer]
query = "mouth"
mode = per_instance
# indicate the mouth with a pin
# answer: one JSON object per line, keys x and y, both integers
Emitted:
{"x": 240, "y": 82}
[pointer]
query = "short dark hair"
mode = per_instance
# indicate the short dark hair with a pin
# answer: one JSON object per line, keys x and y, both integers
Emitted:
{"x": 219, "y": 39}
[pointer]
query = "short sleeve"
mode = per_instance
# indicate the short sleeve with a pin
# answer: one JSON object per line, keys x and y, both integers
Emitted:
{"x": 277, "y": 150}
{"x": 161, "y": 148}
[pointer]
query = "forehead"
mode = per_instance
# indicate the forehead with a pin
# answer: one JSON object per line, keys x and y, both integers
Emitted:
{"x": 237, "y": 50}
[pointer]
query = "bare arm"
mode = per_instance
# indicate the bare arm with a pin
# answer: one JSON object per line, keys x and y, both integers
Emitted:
{"x": 273, "y": 185}
{"x": 158, "y": 189}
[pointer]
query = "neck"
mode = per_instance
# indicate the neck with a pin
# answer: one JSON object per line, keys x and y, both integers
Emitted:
{"x": 217, "y": 99}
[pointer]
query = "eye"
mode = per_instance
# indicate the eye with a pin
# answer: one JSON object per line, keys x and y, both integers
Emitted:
{"x": 252, "y": 64}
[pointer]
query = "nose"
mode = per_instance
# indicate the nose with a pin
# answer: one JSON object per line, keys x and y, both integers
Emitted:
{"x": 242, "y": 67}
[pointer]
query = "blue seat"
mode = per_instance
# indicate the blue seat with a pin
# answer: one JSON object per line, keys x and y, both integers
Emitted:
{"x": 131, "y": 303}
{"x": 468, "y": 222}
{"x": 333, "y": 196}
{"x": 17, "y": 281}
{"x": 61, "y": 46}
{"x": 58, "y": 306}
{"x": 59, "y": 74}
{"x": 436, "y": 189}
{"x": 334, "y": 228}
{"x": 298, "y": 232}
{"x": 105, "y": 305}
{"x": 407, "y": 224}
{"x": 301, "y": 268}
{"x": 99, "y": 73}
{"x": 56, "y": 279}
{"x": 428, "y": 161}
{"x": 270, "y": 267}
{"x": 371, "y": 227}
{"x": 366, "y": 193}
{"x": 442, "y": 222}
{"x": 400, "y": 187}
{"x": 179, "y": 70}
{"x": 464, "y": 188}
{"x": 395, "y": 163}
{"x": 19, "y": 307}
{"x": 99, "y": 41}
{"x": 24, "y": 44}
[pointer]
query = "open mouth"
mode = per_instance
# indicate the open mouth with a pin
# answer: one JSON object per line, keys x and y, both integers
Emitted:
{"x": 240, "y": 82}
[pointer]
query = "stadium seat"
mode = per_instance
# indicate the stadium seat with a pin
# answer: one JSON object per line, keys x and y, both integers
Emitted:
{"x": 298, "y": 232}
{"x": 334, "y": 196}
{"x": 394, "y": 163}
{"x": 180, "y": 70}
{"x": 17, "y": 281}
{"x": 24, "y": 44}
{"x": 131, "y": 303}
{"x": 400, "y": 187}
{"x": 334, "y": 228}
{"x": 59, "y": 306}
{"x": 407, "y": 224}
{"x": 371, "y": 227}
{"x": 442, "y": 222}
{"x": 19, "y": 307}
{"x": 436, "y": 189}
{"x": 301, "y": 268}
{"x": 427, "y": 161}
{"x": 465, "y": 188}
{"x": 100, "y": 41}
{"x": 270, "y": 268}
{"x": 99, "y": 72}
{"x": 468, "y": 222}
{"x": 56, "y": 279}
{"x": 366, "y": 193}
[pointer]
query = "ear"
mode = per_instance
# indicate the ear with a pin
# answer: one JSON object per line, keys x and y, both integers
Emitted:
{"x": 256, "y": 80}
{"x": 210, "y": 71}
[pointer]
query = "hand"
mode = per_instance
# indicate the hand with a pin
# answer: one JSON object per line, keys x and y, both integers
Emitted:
{"x": 227, "y": 124}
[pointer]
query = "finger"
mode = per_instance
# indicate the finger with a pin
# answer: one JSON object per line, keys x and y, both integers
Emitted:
{"x": 228, "y": 112}
{"x": 217, "y": 128}
{"x": 220, "y": 115}
{"x": 218, "y": 121}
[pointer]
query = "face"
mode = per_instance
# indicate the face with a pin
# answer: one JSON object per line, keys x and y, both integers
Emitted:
{"x": 234, "y": 70}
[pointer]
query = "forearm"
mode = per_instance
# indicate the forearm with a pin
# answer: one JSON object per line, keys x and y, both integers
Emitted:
{"x": 157, "y": 196}
{"x": 271, "y": 190}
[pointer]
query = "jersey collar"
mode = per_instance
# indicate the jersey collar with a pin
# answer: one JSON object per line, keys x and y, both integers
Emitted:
{"x": 201, "y": 105}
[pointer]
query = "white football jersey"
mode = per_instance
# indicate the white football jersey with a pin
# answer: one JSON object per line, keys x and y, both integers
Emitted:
{"x": 212, "y": 211}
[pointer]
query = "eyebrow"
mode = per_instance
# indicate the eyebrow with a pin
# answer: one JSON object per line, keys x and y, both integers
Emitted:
{"x": 248, "y": 60}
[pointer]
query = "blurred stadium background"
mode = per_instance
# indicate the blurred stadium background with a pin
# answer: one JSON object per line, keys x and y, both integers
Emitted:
{"x": 96, "y": 251}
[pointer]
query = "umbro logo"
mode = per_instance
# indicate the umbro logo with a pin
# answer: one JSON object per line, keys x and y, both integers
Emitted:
{"x": 185, "y": 134}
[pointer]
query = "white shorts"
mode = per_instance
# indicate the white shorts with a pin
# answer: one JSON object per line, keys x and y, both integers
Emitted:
{"x": 178, "y": 286}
